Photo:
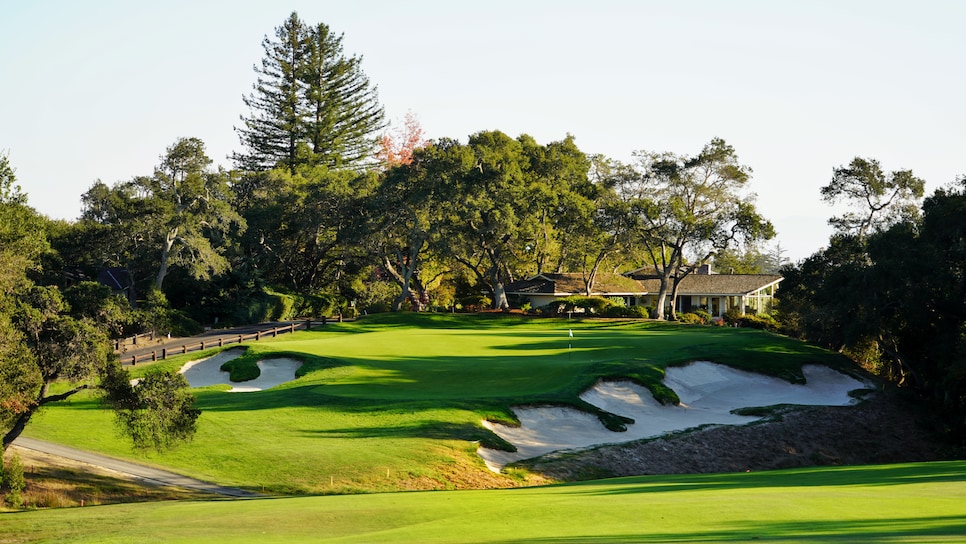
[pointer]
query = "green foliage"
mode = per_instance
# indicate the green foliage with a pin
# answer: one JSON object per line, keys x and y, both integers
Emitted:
{"x": 685, "y": 202}
{"x": 13, "y": 481}
{"x": 311, "y": 104}
{"x": 591, "y": 305}
{"x": 617, "y": 301}
{"x": 696, "y": 317}
{"x": 877, "y": 200}
{"x": 157, "y": 412}
{"x": 758, "y": 321}
{"x": 891, "y": 296}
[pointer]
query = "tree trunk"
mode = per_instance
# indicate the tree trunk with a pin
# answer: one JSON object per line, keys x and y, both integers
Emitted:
{"x": 21, "y": 422}
{"x": 165, "y": 254}
{"x": 658, "y": 312}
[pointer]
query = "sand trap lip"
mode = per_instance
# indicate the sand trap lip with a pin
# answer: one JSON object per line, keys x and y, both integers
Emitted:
{"x": 206, "y": 372}
{"x": 708, "y": 393}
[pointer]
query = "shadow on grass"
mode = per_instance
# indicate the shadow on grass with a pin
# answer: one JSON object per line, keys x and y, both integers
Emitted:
{"x": 432, "y": 429}
{"x": 864, "y": 530}
{"x": 867, "y": 476}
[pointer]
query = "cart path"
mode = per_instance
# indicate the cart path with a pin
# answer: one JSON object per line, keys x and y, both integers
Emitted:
{"x": 144, "y": 473}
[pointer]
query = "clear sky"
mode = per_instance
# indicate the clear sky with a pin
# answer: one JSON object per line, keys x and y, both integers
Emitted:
{"x": 98, "y": 89}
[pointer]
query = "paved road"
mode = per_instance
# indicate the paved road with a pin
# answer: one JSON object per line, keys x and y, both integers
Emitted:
{"x": 140, "y": 472}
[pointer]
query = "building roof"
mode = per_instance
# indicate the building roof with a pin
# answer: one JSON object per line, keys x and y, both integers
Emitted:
{"x": 118, "y": 279}
{"x": 607, "y": 284}
{"x": 718, "y": 284}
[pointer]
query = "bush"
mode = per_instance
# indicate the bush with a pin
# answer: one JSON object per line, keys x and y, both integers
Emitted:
{"x": 590, "y": 305}
{"x": 758, "y": 321}
{"x": 616, "y": 311}
{"x": 639, "y": 311}
{"x": 697, "y": 317}
{"x": 617, "y": 301}
{"x": 14, "y": 482}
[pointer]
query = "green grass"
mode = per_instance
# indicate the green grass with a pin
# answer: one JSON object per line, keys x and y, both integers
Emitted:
{"x": 871, "y": 504}
{"x": 395, "y": 402}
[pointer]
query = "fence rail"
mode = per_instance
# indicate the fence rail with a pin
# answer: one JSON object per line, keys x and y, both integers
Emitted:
{"x": 163, "y": 352}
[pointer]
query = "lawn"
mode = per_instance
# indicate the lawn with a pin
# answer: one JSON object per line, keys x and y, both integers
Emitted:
{"x": 395, "y": 402}
{"x": 872, "y": 504}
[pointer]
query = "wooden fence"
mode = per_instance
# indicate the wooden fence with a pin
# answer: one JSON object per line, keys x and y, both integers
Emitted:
{"x": 163, "y": 352}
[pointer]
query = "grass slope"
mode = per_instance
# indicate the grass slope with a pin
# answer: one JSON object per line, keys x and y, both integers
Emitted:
{"x": 897, "y": 503}
{"x": 394, "y": 402}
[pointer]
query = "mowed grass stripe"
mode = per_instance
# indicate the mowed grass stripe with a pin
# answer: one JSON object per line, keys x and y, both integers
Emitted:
{"x": 897, "y": 503}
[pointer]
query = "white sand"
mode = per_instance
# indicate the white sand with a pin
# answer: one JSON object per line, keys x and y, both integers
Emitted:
{"x": 708, "y": 393}
{"x": 205, "y": 372}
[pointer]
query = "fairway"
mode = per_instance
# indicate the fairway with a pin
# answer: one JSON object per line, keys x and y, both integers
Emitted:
{"x": 870, "y": 504}
{"x": 397, "y": 402}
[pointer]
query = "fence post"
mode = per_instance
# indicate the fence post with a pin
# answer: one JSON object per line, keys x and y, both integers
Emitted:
{"x": 164, "y": 353}
{"x": 184, "y": 348}
{"x": 202, "y": 345}
{"x": 274, "y": 332}
{"x": 239, "y": 339}
{"x": 134, "y": 360}
{"x": 154, "y": 355}
{"x": 221, "y": 342}
{"x": 308, "y": 324}
{"x": 258, "y": 335}
{"x": 292, "y": 327}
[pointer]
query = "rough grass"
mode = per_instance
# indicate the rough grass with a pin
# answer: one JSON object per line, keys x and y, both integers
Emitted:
{"x": 395, "y": 402}
{"x": 894, "y": 503}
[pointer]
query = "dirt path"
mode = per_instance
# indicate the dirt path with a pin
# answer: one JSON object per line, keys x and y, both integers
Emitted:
{"x": 148, "y": 475}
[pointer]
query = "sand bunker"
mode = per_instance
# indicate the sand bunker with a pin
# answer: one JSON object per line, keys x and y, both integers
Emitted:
{"x": 708, "y": 393}
{"x": 205, "y": 372}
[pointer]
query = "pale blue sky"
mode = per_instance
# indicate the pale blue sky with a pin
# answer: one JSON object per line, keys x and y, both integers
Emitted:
{"x": 98, "y": 89}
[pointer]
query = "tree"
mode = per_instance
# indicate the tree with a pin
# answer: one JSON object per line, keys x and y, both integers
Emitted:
{"x": 43, "y": 340}
{"x": 304, "y": 227}
{"x": 344, "y": 114}
{"x": 603, "y": 223}
{"x": 311, "y": 104}
{"x": 877, "y": 199}
{"x": 500, "y": 198}
{"x": 181, "y": 216}
{"x": 397, "y": 147}
{"x": 893, "y": 298}
{"x": 690, "y": 207}
{"x": 400, "y": 222}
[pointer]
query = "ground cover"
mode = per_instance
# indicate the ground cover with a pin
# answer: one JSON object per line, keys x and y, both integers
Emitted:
{"x": 396, "y": 402}
{"x": 893, "y": 503}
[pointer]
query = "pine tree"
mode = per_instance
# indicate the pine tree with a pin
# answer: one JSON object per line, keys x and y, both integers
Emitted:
{"x": 310, "y": 105}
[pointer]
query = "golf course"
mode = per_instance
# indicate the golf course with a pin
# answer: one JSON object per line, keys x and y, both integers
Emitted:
{"x": 381, "y": 410}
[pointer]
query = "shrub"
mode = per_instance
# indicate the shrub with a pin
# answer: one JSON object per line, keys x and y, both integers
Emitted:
{"x": 617, "y": 301}
{"x": 690, "y": 319}
{"x": 697, "y": 317}
{"x": 591, "y": 305}
{"x": 639, "y": 311}
{"x": 616, "y": 311}
{"x": 14, "y": 482}
{"x": 758, "y": 321}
